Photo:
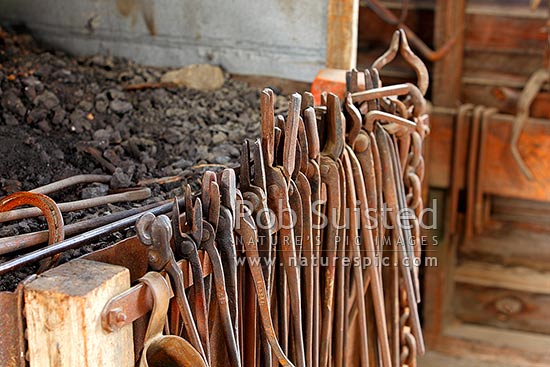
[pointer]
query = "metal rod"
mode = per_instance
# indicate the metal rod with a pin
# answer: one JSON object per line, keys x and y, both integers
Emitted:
{"x": 26, "y": 240}
{"x": 80, "y": 240}
{"x": 71, "y": 181}
{"x": 135, "y": 195}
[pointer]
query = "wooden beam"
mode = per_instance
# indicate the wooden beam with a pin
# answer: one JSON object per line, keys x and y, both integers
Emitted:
{"x": 498, "y": 276}
{"x": 449, "y": 23}
{"x": 63, "y": 308}
{"x": 342, "y": 25}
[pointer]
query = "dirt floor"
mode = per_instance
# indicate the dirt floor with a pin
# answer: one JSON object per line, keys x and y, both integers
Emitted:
{"x": 59, "y": 113}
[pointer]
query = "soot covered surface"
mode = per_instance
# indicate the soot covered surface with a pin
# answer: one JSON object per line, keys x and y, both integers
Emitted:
{"x": 55, "y": 108}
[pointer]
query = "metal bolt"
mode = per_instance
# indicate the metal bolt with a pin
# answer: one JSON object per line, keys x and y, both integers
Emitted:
{"x": 117, "y": 318}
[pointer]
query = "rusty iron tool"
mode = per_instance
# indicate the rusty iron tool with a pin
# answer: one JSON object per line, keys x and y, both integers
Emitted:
{"x": 50, "y": 210}
{"x": 400, "y": 44}
{"x": 340, "y": 274}
{"x": 277, "y": 179}
{"x": 526, "y": 98}
{"x": 432, "y": 55}
{"x": 289, "y": 151}
{"x": 71, "y": 181}
{"x": 330, "y": 177}
{"x": 135, "y": 195}
{"x": 155, "y": 233}
{"x": 265, "y": 231}
{"x": 246, "y": 229}
{"x": 308, "y": 242}
{"x": 359, "y": 140}
{"x": 256, "y": 198}
{"x": 187, "y": 238}
{"x": 405, "y": 219}
{"x": 164, "y": 350}
{"x": 313, "y": 173}
{"x": 372, "y": 80}
{"x": 375, "y": 279}
{"x": 26, "y": 240}
{"x": 480, "y": 174}
{"x": 351, "y": 199}
{"x": 208, "y": 238}
{"x": 372, "y": 94}
{"x": 77, "y": 241}
{"x": 390, "y": 194}
{"x": 253, "y": 190}
{"x": 226, "y": 242}
{"x": 459, "y": 146}
{"x": 471, "y": 169}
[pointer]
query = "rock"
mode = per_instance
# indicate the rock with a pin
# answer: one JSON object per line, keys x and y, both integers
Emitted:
{"x": 47, "y": 99}
{"x": 58, "y": 154}
{"x": 120, "y": 179}
{"x": 30, "y": 93}
{"x": 12, "y": 103}
{"x": 45, "y": 126}
{"x": 182, "y": 163}
{"x": 37, "y": 114}
{"x": 120, "y": 107}
{"x": 202, "y": 77}
{"x": 94, "y": 190}
{"x": 59, "y": 116}
{"x": 222, "y": 159}
{"x": 85, "y": 105}
{"x": 10, "y": 119}
{"x": 171, "y": 112}
{"x": 218, "y": 138}
{"x": 102, "y": 137}
{"x": 172, "y": 135}
{"x": 115, "y": 94}
{"x": 101, "y": 106}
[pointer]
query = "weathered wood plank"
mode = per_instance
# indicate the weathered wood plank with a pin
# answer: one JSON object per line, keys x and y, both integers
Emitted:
{"x": 504, "y": 244}
{"x": 440, "y": 154}
{"x": 505, "y": 31}
{"x": 498, "y": 276}
{"x": 488, "y": 343}
{"x": 342, "y": 34}
{"x": 63, "y": 308}
{"x": 449, "y": 20}
{"x": 498, "y": 66}
{"x": 503, "y": 176}
{"x": 504, "y": 99}
{"x": 503, "y": 308}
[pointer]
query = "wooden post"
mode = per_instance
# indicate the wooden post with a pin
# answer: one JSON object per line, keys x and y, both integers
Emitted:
{"x": 447, "y": 80}
{"x": 342, "y": 26}
{"x": 63, "y": 309}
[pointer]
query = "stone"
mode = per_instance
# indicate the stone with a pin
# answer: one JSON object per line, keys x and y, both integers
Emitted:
{"x": 47, "y": 99}
{"x": 58, "y": 116}
{"x": 95, "y": 190}
{"x": 115, "y": 94}
{"x": 182, "y": 163}
{"x": 12, "y": 103}
{"x": 120, "y": 107}
{"x": 85, "y": 105}
{"x": 44, "y": 126}
{"x": 218, "y": 138}
{"x": 222, "y": 159}
{"x": 101, "y": 106}
{"x": 201, "y": 77}
{"x": 37, "y": 114}
{"x": 10, "y": 119}
{"x": 120, "y": 179}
